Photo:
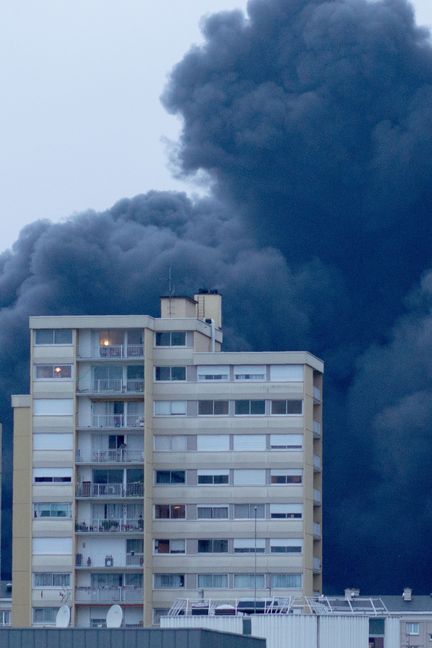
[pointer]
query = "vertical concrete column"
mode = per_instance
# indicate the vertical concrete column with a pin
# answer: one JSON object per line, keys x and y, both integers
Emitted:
{"x": 148, "y": 475}
{"x": 22, "y": 516}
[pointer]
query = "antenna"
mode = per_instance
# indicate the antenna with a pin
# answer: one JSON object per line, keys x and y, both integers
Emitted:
{"x": 63, "y": 617}
{"x": 114, "y": 616}
{"x": 171, "y": 287}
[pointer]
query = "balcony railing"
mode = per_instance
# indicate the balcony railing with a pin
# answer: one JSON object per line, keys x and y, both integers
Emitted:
{"x": 317, "y": 529}
{"x": 109, "y": 594}
{"x": 117, "y": 386}
{"x": 88, "y": 489}
{"x": 134, "y": 560}
{"x": 317, "y": 462}
{"x": 120, "y": 351}
{"x": 316, "y": 496}
{"x": 120, "y": 455}
{"x": 317, "y": 393}
{"x": 118, "y": 421}
{"x": 317, "y": 428}
{"x": 316, "y": 564}
{"x": 111, "y": 526}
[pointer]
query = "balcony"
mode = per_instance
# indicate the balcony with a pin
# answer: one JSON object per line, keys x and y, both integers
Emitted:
{"x": 109, "y": 491}
{"x": 317, "y": 530}
{"x": 118, "y": 456}
{"x": 109, "y": 595}
{"x": 105, "y": 386}
{"x": 317, "y": 463}
{"x": 317, "y": 394}
{"x": 316, "y": 565}
{"x": 316, "y": 429}
{"x": 113, "y": 421}
{"x": 134, "y": 560}
{"x": 316, "y": 497}
{"x": 111, "y": 526}
{"x": 114, "y": 352}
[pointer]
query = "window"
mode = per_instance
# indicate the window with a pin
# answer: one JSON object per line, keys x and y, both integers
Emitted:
{"x": 213, "y": 546}
{"x": 52, "y": 442}
{"x": 213, "y": 476}
{"x": 286, "y": 441}
{"x": 212, "y": 581}
{"x": 286, "y": 581}
{"x": 213, "y": 442}
{"x": 249, "y": 545}
{"x": 53, "y": 336}
{"x": 213, "y": 372}
{"x": 249, "y": 477}
{"x": 286, "y": 476}
{"x": 247, "y": 581}
{"x": 5, "y": 618}
{"x": 170, "y": 408}
{"x": 169, "y": 546}
{"x": 53, "y": 406}
{"x": 286, "y": 407}
{"x": 52, "y": 510}
{"x": 170, "y": 373}
{"x": 170, "y": 511}
{"x": 169, "y": 581}
{"x": 212, "y": 512}
{"x": 45, "y": 615}
{"x": 171, "y": 339}
{"x": 175, "y": 443}
{"x": 286, "y": 546}
{"x": 247, "y": 511}
{"x": 213, "y": 407}
{"x": 51, "y": 579}
{"x": 286, "y": 373}
{"x": 249, "y": 407}
{"x": 286, "y": 511}
{"x": 53, "y": 372}
{"x": 249, "y": 442}
{"x": 170, "y": 476}
{"x": 412, "y": 629}
{"x": 52, "y": 475}
{"x": 249, "y": 372}
{"x": 54, "y": 546}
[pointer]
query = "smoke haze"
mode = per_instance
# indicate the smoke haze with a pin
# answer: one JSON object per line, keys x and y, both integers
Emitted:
{"x": 311, "y": 121}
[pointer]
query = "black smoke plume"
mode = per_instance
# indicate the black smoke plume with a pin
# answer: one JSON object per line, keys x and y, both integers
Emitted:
{"x": 311, "y": 120}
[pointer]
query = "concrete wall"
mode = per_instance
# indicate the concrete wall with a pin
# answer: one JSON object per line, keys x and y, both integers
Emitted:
{"x": 76, "y": 638}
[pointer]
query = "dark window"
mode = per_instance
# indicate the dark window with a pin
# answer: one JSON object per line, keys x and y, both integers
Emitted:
{"x": 213, "y": 408}
{"x": 212, "y": 546}
{"x": 170, "y": 477}
{"x": 249, "y": 407}
{"x": 171, "y": 338}
{"x": 53, "y": 336}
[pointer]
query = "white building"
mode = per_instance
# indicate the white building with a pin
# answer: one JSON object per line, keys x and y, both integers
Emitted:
{"x": 151, "y": 465}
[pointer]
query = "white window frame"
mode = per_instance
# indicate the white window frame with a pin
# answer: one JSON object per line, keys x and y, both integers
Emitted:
{"x": 170, "y": 541}
{"x": 213, "y": 473}
{"x": 250, "y": 373}
{"x": 213, "y": 507}
{"x": 286, "y": 400}
{"x": 171, "y": 345}
{"x": 171, "y": 406}
{"x": 213, "y": 400}
{"x": 171, "y": 440}
{"x": 213, "y": 577}
{"x": 213, "y": 373}
{"x": 53, "y": 331}
{"x": 170, "y": 379}
{"x": 56, "y": 375}
{"x": 156, "y": 577}
{"x": 250, "y": 401}
{"x": 247, "y": 545}
{"x": 412, "y": 629}
{"x": 213, "y": 442}
{"x": 286, "y": 473}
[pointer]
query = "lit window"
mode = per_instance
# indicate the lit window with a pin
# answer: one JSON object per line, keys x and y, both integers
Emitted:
{"x": 52, "y": 372}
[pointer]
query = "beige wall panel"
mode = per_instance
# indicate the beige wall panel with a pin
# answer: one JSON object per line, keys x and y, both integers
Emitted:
{"x": 53, "y": 353}
{"x": 54, "y": 458}
{"x": 46, "y": 527}
{"x": 55, "y": 563}
{"x": 53, "y": 389}
{"x": 52, "y": 422}
{"x": 65, "y": 493}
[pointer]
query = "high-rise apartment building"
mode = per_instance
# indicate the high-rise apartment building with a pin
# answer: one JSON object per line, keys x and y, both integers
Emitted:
{"x": 149, "y": 466}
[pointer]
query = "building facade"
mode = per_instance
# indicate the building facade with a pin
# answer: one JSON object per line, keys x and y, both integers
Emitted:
{"x": 149, "y": 466}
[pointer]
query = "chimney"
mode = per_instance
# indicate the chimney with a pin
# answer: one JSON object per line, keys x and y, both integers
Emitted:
{"x": 407, "y": 594}
{"x": 209, "y": 306}
{"x": 351, "y": 593}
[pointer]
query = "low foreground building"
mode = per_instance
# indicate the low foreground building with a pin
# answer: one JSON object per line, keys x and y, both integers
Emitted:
{"x": 318, "y": 622}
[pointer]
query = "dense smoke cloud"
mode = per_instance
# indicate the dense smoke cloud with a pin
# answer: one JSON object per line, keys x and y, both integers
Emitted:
{"x": 311, "y": 121}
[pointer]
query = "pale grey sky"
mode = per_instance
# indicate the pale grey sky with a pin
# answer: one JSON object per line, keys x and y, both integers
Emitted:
{"x": 81, "y": 124}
